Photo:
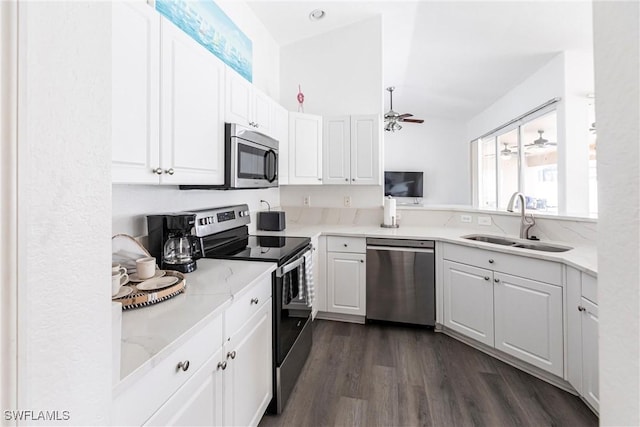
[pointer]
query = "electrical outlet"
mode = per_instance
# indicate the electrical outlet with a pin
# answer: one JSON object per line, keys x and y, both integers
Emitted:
{"x": 484, "y": 220}
{"x": 347, "y": 201}
{"x": 306, "y": 201}
{"x": 465, "y": 218}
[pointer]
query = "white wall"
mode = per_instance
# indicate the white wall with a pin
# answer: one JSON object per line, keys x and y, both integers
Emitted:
{"x": 131, "y": 202}
{"x": 617, "y": 71}
{"x": 542, "y": 85}
{"x": 340, "y": 72}
{"x": 64, "y": 196}
{"x": 332, "y": 196}
{"x": 440, "y": 148}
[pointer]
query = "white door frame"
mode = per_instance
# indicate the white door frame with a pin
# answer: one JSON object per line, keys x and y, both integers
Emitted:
{"x": 8, "y": 205}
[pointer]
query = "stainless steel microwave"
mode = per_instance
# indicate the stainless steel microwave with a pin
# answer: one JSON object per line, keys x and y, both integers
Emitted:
{"x": 251, "y": 160}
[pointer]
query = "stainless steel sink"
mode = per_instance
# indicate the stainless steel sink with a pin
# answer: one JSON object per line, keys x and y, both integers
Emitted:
{"x": 516, "y": 243}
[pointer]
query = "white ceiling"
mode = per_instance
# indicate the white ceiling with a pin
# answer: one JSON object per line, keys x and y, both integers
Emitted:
{"x": 447, "y": 59}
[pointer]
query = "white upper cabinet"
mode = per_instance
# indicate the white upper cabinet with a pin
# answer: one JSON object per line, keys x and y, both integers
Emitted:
{"x": 352, "y": 150}
{"x": 337, "y": 150}
{"x": 192, "y": 137}
{"x": 168, "y": 102}
{"x": 247, "y": 106}
{"x": 136, "y": 84}
{"x": 305, "y": 149}
{"x": 281, "y": 133}
{"x": 365, "y": 150}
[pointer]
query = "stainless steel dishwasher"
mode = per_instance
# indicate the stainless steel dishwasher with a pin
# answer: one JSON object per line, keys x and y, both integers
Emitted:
{"x": 401, "y": 281}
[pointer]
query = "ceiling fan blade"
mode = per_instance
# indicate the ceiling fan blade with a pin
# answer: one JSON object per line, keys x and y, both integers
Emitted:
{"x": 405, "y": 115}
{"x": 412, "y": 120}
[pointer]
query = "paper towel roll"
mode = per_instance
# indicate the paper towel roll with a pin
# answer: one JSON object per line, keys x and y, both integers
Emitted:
{"x": 390, "y": 211}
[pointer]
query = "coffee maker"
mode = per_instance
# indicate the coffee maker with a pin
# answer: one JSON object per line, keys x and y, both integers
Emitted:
{"x": 171, "y": 241}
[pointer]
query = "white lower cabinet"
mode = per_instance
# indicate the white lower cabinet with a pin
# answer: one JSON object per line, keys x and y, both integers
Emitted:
{"x": 346, "y": 275}
{"x": 468, "y": 301}
{"x": 196, "y": 403}
{"x": 247, "y": 377}
{"x": 519, "y": 316}
{"x": 590, "y": 389}
{"x": 528, "y": 321}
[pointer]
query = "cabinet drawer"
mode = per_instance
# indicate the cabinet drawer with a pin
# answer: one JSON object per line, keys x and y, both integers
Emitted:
{"x": 590, "y": 288}
{"x": 530, "y": 268}
{"x": 356, "y": 245}
{"x": 246, "y": 305}
{"x": 138, "y": 402}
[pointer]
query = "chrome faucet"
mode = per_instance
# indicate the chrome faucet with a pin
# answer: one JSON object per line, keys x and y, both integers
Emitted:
{"x": 525, "y": 222}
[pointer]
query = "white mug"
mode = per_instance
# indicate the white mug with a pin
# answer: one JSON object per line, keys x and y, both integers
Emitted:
{"x": 146, "y": 267}
{"x": 117, "y": 280}
{"x": 117, "y": 268}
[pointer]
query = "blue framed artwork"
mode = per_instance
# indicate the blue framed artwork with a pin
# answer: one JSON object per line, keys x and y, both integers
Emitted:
{"x": 207, "y": 24}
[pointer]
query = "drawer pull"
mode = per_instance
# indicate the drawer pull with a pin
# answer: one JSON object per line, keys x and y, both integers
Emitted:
{"x": 486, "y": 277}
{"x": 222, "y": 365}
{"x": 231, "y": 354}
{"x": 254, "y": 301}
{"x": 496, "y": 280}
{"x": 581, "y": 308}
{"x": 491, "y": 261}
{"x": 183, "y": 365}
{"x": 345, "y": 245}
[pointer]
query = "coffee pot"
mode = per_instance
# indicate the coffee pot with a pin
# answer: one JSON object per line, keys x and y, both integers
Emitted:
{"x": 171, "y": 241}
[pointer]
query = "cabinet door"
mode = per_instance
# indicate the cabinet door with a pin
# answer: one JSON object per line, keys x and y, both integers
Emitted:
{"x": 305, "y": 149}
{"x": 365, "y": 150}
{"x": 528, "y": 321}
{"x": 192, "y": 140}
{"x": 262, "y": 112}
{"x": 281, "y": 133}
{"x": 336, "y": 144}
{"x": 135, "y": 108}
{"x": 239, "y": 97}
{"x": 590, "y": 387}
{"x": 468, "y": 301}
{"x": 248, "y": 377}
{"x": 574, "y": 328}
{"x": 346, "y": 283}
{"x": 198, "y": 402}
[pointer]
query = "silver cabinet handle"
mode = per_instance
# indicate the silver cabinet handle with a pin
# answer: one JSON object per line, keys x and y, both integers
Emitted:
{"x": 222, "y": 365}
{"x": 231, "y": 354}
{"x": 254, "y": 301}
{"x": 496, "y": 280}
{"x": 183, "y": 365}
{"x": 157, "y": 171}
{"x": 170, "y": 171}
{"x": 581, "y": 308}
{"x": 491, "y": 261}
{"x": 486, "y": 277}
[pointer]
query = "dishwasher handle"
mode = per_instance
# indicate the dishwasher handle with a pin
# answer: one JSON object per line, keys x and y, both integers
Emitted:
{"x": 401, "y": 243}
{"x": 399, "y": 249}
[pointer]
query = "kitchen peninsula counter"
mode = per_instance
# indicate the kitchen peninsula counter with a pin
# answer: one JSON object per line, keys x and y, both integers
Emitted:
{"x": 151, "y": 333}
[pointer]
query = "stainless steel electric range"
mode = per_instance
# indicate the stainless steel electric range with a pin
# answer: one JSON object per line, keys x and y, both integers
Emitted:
{"x": 222, "y": 233}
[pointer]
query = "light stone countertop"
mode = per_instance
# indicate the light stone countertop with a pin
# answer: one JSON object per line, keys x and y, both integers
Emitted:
{"x": 150, "y": 334}
{"x": 581, "y": 257}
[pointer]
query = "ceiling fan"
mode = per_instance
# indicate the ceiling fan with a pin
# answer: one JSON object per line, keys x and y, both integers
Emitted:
{"x": 392, "y": 119}
{"x": 507, "y": 152}
{"x": 541, "y": 142}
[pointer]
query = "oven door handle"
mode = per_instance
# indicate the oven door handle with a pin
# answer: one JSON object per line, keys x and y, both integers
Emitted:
{"x": 287, "y": 268}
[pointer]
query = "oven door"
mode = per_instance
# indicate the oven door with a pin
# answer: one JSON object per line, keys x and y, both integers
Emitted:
{"x": 291, "y": 309}
{"x": 253, "y": 165}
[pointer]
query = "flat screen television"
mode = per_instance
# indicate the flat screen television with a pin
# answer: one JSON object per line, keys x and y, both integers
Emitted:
{"x": 403, "y": 184}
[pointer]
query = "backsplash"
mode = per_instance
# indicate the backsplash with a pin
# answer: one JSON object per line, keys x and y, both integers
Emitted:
{"x": 132, "y": 203}
{"x": 574, "y": 231}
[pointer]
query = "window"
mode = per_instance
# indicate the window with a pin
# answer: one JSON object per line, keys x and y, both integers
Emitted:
{"x": 520, "y": 157}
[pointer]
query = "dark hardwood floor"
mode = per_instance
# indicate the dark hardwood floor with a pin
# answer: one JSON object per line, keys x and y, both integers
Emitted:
{"x": 387, "y": 375}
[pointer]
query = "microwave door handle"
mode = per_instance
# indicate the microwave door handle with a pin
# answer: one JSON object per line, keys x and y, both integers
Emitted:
{"x": 270, "y": 166}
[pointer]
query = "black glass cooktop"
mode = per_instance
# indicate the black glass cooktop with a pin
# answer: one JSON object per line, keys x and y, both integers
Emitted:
{"x": 259, "y": 248}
